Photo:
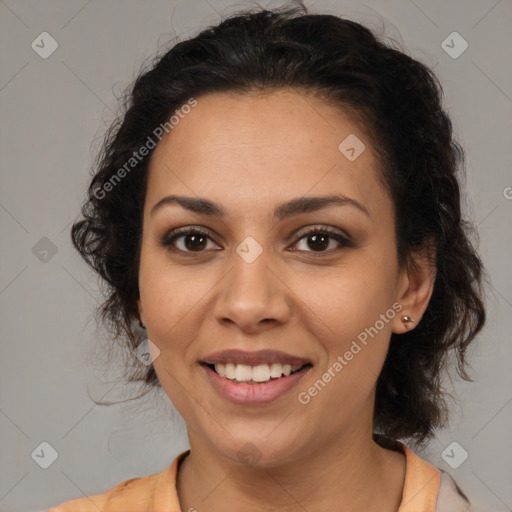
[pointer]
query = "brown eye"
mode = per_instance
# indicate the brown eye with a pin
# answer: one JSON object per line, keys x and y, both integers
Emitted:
{"x": 195, "y": 240}
{"x": 190, "y": 240}
{"x": 318, "y": 240}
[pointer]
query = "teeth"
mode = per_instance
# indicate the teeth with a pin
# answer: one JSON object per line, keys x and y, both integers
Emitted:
{"x": 243, "y": 372}
{"x": 260, "y": 373}
{"x": 276, "y": 370}
{"x": 230, "y": 370}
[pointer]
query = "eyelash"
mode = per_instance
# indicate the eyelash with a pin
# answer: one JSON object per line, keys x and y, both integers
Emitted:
{"x": 177, "y": 233}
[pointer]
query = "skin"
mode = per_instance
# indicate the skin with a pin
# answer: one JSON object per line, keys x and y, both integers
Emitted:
{"x": 250, "y": 153}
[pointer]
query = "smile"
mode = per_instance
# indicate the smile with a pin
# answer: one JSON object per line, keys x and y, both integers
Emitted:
{"x": 240, "y": 384}
{"x": 255, "y": 374}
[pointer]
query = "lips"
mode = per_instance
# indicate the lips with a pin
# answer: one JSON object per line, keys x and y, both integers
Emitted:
{"x": 254, "y": 358}
{"x": 254, "y": 378}
{"x": 254, "y": 393}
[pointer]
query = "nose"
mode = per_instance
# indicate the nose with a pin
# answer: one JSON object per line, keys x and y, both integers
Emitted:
{"x": 252, "y": 296}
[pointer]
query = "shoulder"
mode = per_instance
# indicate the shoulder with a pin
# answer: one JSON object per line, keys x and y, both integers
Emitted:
{"x": 130, "y": 494}
{"x": 153, "y": 492}
{"x": 427, "y": 487}
{"x": 450, "y": 497}
{"x": 441, "y": 491}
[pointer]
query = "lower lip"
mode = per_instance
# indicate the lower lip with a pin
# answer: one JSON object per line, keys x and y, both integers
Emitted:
{"x": 253, "y": 394}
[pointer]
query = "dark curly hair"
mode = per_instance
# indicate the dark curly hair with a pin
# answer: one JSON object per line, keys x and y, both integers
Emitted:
{"x": 397, "y": 99}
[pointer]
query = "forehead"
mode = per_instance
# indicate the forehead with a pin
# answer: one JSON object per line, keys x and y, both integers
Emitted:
{"x": 248, "y": 147}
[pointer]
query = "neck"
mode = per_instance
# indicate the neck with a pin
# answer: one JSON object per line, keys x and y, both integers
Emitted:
{"x": 358, "y": 475}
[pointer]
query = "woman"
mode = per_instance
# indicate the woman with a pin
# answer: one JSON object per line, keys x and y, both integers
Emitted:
{"x": 279, "y": 209}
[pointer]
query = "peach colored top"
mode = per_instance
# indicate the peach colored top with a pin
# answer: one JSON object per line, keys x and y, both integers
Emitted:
{"x": 157, "y": 492}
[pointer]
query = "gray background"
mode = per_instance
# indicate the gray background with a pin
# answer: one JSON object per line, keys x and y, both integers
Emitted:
{"x": 52, "y": 110}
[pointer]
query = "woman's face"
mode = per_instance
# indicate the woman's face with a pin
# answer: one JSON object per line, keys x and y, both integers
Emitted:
{"x": 256, "y": 281}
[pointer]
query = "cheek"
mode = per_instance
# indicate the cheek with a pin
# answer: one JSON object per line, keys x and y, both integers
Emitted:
{"x": 345, "y": 301}
{"x": 345, "y": 315}
{"x": 355, "y": 350}
{"x": 169, "y": 296}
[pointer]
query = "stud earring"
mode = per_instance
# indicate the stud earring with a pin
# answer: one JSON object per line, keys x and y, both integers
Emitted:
{"x": 407, "y": 319}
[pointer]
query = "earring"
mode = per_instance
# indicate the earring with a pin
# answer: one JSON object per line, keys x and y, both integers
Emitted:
{"x": 142, "y": 324}
{"x": 406, "y": 320}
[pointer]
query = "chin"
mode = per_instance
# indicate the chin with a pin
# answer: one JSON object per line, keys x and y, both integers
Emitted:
{"x": 260, "y": 452}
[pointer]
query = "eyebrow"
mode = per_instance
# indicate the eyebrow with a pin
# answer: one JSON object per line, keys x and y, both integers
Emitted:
{"x": 290, "y": 208}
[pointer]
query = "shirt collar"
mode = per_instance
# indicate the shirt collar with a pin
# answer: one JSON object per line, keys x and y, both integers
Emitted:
{"x": 420, "y": 491}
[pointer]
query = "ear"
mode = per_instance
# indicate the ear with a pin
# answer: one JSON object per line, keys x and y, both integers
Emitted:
{"x": 415, "y": 289}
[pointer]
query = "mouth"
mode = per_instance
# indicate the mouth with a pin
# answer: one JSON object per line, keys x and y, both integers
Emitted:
{"x": 254, "y": 378}
{"x": 255, "y": 375}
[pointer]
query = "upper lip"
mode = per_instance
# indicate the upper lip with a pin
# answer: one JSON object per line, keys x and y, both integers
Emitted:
{"x": 254, "y": 358}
